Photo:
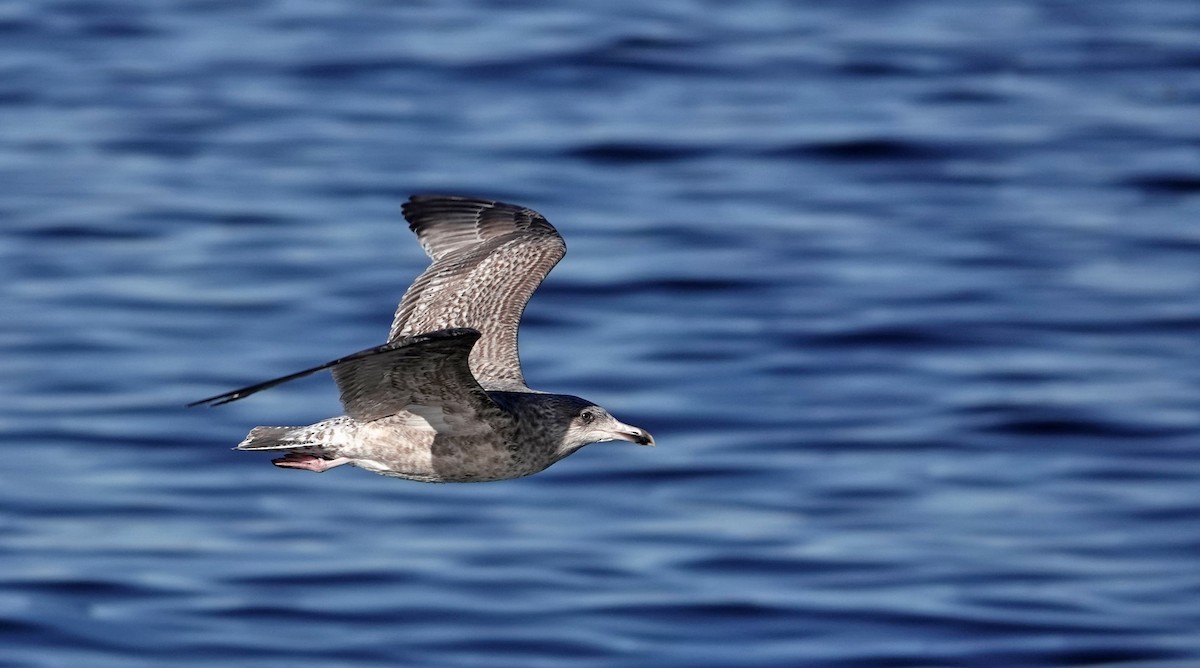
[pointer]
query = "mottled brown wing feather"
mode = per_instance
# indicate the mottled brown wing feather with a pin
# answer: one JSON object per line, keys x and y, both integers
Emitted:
{"x": 488, "y": 258}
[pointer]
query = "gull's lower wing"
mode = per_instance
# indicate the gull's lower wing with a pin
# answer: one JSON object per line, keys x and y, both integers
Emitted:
{"x": 244, "y": 392}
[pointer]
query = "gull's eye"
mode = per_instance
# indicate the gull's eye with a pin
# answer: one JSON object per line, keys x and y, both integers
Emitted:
{"x": 587, "y": 417}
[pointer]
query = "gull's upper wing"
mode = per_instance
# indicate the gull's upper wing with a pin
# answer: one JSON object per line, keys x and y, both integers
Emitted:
{"x": 488, "y": 258}
{"x": 426, "y": 375}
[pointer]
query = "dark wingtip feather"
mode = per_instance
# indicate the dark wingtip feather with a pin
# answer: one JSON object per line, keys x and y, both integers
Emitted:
{"x": 226, "y": 397}
{"x": 445, "y": 224}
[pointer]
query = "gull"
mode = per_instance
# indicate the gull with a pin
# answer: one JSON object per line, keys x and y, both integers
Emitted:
{"x": 444, "y": 400}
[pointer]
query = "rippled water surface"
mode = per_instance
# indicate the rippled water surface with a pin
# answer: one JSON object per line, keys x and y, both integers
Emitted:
{"x": 909, "y": 294}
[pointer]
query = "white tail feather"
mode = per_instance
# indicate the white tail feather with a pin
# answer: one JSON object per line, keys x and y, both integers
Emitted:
{"x": 271, "y": 438}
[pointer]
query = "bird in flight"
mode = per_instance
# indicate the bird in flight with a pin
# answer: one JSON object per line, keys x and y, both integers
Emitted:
{"x": 444, "y": 400}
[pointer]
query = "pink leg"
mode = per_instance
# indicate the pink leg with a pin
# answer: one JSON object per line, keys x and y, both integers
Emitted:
{"x": 308, "y": 462}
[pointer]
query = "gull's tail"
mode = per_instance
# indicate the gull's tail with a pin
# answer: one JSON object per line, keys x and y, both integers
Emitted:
{"x": 273, "y": 438}
{"x": 298, "y": 452}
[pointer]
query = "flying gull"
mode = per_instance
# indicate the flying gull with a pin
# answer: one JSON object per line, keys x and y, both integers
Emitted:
{"x": 444, "y": 399}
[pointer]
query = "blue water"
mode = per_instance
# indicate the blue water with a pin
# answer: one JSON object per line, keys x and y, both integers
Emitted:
{"x": 908, "y": 293}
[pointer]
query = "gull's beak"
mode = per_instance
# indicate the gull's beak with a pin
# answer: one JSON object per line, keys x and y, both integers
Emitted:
{"x": 632, "y": 434}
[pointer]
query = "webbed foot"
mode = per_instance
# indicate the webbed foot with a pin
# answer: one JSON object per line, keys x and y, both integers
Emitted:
{"x": 312, "y": 463}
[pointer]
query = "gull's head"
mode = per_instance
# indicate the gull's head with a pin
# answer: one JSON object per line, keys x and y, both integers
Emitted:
{"x": 586, "y": 422}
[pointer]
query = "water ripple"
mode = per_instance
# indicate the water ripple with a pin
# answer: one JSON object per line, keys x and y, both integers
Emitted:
{"x": 906, "y": 295}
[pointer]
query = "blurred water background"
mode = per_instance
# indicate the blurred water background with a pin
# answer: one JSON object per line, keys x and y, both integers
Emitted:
{"x": 907, "y": 292}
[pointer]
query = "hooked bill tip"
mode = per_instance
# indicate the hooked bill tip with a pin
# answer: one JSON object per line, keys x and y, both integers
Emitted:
{"x": 642, "y": 437}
